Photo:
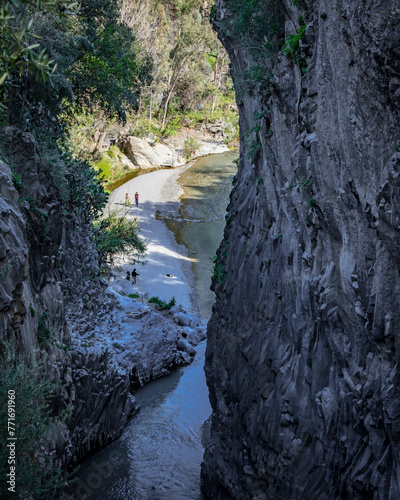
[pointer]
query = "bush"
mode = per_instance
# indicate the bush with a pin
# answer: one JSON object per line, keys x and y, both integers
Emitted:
{"x": 161, "y": 305}
{"x": 37, "y": 475}
{"x": 292, "y": 43}
{"x": 117, "y": 234}
{"x": 190, "y": 146}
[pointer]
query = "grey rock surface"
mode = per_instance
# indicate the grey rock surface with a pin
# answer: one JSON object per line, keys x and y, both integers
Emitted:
{"x": 302, "y": 354}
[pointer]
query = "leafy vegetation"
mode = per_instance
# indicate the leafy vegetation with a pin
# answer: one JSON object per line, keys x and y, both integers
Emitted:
{"x": 160, "y": 305}
{"x": 219, "y": 273}
{"x": 117, "y": 234}
{"x": 292, "y": 43}
{"x": 23, "y": 381}
{"x": 44, "y": 335}
{"x": 190, "y": 146}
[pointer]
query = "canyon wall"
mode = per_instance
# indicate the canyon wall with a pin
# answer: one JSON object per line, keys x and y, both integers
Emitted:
{"x": 303, "y": 343}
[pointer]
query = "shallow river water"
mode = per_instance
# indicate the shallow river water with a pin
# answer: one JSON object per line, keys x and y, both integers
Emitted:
{"x": 159, "y": 454}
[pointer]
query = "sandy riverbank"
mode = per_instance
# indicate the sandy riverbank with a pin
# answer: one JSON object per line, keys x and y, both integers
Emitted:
{"x": 160, "y": 192}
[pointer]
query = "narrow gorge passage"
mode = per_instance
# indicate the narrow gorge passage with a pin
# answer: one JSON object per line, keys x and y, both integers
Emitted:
{"x": 160, "y": 452}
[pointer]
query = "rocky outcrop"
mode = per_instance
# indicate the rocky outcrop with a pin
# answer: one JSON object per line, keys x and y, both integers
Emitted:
{"x": 143, "y": 154}
{"x": 302, "y": 355}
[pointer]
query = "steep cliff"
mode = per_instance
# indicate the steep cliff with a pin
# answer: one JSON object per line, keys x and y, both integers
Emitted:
{"x": 303, "y": 349}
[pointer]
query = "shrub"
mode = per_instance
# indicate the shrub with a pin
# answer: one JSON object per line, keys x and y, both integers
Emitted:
{"x": 45, "y": 337}
{"x": 292, "y": 43}
{"x": 117, "y": 234}
{"x": 35, "y": 426}
{"x": 190, "y": 146}
{"x": 161, "y": 305}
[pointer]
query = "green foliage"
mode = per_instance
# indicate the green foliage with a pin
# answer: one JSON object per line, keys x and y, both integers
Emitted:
{"x": 259, "y": 21}
{"x": 212, "y": 12}
{"x": 298, "y": 3}
{"x": 261, "y": 114}
{"x": 45, "y": 337}
{"x": 253, "y": 148}
{"x": 36, "y": 220}
{"x": 17, "y": 181}
{"x": 117, "y": 234}
{"x": 37, "y": 475}
{"x": 219, "y": 273}
{"x": 171, "y": 128}
{"x": 162, "y": 306}
{"x": 190, "y": 146}
{"x": 305, "y": 185}
{"x": 133, "y": 296}
{"x": 111, "y": 75}
{"x": 292, "y": 43}
{"x": 95, "y": 60}
{"x": 18, "y": 53}
{"x": 105, "y": 168}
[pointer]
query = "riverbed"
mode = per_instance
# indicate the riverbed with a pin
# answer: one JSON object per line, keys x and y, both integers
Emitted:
{"x": 159, "y": 454}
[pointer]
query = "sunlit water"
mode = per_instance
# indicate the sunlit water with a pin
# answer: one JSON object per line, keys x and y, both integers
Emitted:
{"x": 159, "y": 453}
{"x": 207, "y": 185}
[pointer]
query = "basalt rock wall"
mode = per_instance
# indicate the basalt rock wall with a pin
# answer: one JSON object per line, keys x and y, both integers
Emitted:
{"x": 303, "y": 343}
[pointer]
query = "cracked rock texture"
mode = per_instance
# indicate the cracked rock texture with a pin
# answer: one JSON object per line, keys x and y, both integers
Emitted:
{"x": 303, "y": 344}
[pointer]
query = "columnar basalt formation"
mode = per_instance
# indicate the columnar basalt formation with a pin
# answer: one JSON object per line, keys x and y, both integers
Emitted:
{"x": 303, "y": 349}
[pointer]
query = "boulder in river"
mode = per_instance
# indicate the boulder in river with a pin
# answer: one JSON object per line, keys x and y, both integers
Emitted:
{"x": 145, "y": 155}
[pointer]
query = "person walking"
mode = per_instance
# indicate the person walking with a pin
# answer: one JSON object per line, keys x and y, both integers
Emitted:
{"x": 127, "y": 200}
{"x": 137, "y": 198}
{"x": 134, "y": 274}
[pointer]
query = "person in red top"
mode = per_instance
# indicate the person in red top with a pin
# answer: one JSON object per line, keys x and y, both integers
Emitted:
{"x": 137, "y": 199}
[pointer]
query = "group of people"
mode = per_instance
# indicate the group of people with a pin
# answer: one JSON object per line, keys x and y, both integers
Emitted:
{"x": 133, "y": 274}
{"x": 128, "y": 201}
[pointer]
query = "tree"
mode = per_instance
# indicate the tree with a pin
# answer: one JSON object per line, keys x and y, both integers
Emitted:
{"x": 18, "y": 52}
{"x": 189, "y": 42}
{"x": 117, "y": 234}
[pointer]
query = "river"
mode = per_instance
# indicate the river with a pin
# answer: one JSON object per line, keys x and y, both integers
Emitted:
{"x": 159, "y": 454}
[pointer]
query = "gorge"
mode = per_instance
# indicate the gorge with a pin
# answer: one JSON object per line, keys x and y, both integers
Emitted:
{"x": 302, "y": 358}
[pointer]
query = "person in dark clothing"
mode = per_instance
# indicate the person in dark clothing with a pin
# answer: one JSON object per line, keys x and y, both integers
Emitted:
{"x": 137, "y": 199}
{"x": 134, "y": 274}
{"x": 128, "y": 276}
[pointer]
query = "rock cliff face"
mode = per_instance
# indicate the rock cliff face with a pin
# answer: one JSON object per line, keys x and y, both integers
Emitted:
{"x": 303, "y": 350}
